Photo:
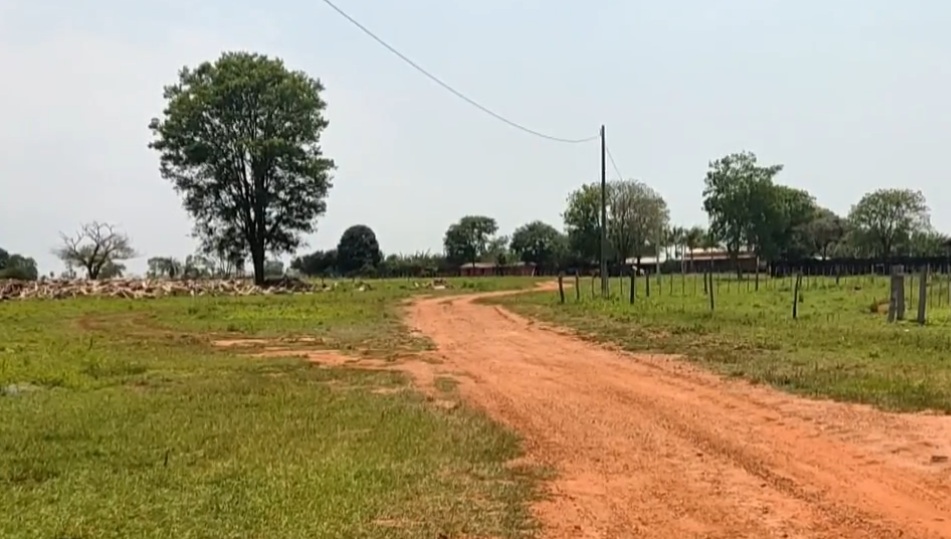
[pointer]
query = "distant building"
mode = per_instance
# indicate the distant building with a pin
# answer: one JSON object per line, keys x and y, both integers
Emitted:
{"x": 488, "y": 269}
{"x": 648, "y": 264}
{"x": 700, "y": 260}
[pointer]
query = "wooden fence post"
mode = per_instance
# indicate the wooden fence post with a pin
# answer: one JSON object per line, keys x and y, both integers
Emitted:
{"x": 931, "y": 288}
{"x": 709, "y": 276}
{"x": 647, "y": 282}
{"x": 633, "y": 290}
{"x": 900, "y": 314}
{"x": 795, "y": 296}
{"x": 911, "y": 286}
{"x": 922, "y": 295}
{"x": 896, "y": 295}
{"x": 577, "y": 286}
{"x": 561, "y": 287}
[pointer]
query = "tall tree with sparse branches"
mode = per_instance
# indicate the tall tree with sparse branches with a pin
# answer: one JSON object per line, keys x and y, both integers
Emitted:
{"x": 98, "y": 248}
{"x": 240, "y": 141}
{"x": 637, "y": 214}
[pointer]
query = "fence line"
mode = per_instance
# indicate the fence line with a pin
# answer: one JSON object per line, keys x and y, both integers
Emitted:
{"x": 812, "y": 290}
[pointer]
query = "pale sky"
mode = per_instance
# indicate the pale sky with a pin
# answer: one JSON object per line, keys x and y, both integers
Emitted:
{"x": 850, "y": 95}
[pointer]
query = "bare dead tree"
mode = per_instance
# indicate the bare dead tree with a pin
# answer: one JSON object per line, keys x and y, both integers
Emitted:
{"x": 95, "y": 247}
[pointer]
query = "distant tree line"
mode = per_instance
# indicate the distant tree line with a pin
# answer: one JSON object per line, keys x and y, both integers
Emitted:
{"x": 747, "y": 210}
{"x": 17, "y": 266}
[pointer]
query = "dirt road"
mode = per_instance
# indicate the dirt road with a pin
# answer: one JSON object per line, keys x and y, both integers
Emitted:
{"x": 648, "y": 446}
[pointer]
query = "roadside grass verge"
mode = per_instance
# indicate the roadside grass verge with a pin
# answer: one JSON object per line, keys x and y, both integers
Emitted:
{"x": 840, "y": 346}
{"x": 120, "y": 420}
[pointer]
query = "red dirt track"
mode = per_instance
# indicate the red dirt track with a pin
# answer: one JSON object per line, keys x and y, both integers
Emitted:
{"x": 649, "y": 446}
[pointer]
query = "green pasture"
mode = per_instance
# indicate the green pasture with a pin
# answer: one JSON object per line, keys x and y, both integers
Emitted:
{"x": 119, "y": 419}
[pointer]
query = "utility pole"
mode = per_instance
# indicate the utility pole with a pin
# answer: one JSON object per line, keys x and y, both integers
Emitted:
{"x": 605, "y": 283}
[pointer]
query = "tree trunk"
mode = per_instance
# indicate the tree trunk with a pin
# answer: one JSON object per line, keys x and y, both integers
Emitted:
{"x": 257, "y": 259}
{"x": 259, "y": 230}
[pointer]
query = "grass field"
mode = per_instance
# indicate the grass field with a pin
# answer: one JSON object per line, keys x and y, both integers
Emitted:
{"x": 119, "y": 419}
{"x": 840, "y": 346}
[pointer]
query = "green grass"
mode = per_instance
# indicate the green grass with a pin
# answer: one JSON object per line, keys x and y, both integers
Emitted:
{"x": 120, "y": 420}
{"x": 840, "y": 346}
{"x": 353, "y": 315}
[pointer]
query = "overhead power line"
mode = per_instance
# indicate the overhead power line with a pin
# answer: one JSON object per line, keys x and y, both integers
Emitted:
{"x": 452, "y": 90}
{"x": 617, "y": 171}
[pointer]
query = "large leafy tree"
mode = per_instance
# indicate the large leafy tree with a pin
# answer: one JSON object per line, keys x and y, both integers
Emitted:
{"x": 637, "y": 216}
{"x": 887, "y": 218}
{"x": 796, "y": 210}
{"x": 22, "y": 267}
{"x": 358, "y": 250}
{"x": 742, "y": 203}
{"x": 468, "y": 240}
{"x": 240, "y": 141}
{"x": 824, "y": 232}
{"x": 582, "y": 218}
{"x": 540, "y": 244}
{"x": 637, "y": 219}
{"x": 16, "y": 266}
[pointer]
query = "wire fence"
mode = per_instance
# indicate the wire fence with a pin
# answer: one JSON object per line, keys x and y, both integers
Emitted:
{"x": 922, "y": 294}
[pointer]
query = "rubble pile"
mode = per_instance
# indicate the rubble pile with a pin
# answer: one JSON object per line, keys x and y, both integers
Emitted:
{"x": 12, "y": 289}
{"x": 435, "y": 284}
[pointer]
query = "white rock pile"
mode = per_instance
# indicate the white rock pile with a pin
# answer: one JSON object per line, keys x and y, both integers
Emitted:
{"x": 146, "y": 288}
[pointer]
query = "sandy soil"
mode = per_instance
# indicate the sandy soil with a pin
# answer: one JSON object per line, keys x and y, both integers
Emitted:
{"x": 648, "y": 446}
